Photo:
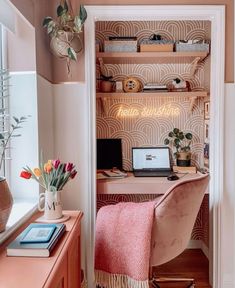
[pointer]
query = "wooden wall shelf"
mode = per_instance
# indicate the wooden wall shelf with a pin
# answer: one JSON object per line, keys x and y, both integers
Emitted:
{"x": 150, "y": 57}
{"x": 147, "y": 94}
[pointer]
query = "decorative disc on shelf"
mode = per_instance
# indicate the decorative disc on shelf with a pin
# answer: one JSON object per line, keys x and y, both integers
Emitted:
{"x": 132, "y": 85}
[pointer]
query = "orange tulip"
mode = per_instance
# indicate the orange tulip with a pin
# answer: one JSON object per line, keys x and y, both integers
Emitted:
{"x": 48, "y": 167}
{"x": 37, "y": 172}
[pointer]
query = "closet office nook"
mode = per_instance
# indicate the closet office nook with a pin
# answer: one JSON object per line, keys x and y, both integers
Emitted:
{"x": 152, "y": 77}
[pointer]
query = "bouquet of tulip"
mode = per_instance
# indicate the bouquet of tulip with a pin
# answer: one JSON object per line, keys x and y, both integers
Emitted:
{"x": 52, "y": 176}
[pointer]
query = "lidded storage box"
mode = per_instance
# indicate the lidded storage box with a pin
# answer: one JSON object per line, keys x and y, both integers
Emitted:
{"x": 192, "y": 45}
{"x": 120, "y": 44}
{"x": 155, "y": 43}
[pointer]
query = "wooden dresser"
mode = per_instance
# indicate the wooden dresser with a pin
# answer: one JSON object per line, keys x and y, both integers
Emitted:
{"x": 61, "y": 270}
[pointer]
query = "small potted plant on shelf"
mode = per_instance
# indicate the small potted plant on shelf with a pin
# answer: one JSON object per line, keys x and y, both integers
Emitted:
{"x": 181, "y": 141}
{"x": 64, "y": 32}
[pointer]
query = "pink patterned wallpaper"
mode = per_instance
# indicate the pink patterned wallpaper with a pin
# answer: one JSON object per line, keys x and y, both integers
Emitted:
{"x": 146, "y": 121}
{"x": 154, "y": 117}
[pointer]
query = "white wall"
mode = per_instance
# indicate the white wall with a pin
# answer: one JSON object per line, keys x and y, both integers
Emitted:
{"x": 71, "y": 128}
{"x": 228, "y": 201}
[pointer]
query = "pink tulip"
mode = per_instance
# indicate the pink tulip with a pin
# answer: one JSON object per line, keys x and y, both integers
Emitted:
{"x": 56, "y": 163}
{"x": 73, "y": 174}
{"x": 69, "y": 167}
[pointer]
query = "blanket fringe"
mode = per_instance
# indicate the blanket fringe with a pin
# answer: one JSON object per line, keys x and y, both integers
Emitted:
{"x": 108, "y": 280}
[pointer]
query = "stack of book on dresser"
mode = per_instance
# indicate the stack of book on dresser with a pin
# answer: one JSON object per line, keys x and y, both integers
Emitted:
{"x": 155, "y": 87}
{"x": 37, "y": 240}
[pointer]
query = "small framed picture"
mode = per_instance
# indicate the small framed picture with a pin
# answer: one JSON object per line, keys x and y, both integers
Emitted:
{"x": 207, "y": 110}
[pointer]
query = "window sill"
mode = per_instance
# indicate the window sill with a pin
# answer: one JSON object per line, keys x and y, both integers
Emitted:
{"x": 22, "y": 210}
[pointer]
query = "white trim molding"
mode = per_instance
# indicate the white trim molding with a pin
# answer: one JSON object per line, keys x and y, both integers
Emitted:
{"x": 213, "y": 13}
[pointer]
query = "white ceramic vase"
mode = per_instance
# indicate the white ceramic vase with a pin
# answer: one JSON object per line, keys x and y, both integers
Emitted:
{"x": 50, "y": 202}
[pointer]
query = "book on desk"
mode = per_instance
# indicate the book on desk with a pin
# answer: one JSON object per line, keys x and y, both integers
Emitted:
{"x": 111, "y": 174}
{"x": 37, "y": 240}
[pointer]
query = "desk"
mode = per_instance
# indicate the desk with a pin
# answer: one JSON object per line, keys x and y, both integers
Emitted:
{"x": 139, "y": 185}
{"x": 139, "y": 189}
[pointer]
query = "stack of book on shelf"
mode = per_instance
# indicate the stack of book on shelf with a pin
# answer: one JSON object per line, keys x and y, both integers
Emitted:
{"x": 37, "y": 240}
{"x": 155, "y": 87}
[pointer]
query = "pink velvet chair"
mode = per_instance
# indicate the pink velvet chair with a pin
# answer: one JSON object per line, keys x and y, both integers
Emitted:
{"x": 175, "y": 215}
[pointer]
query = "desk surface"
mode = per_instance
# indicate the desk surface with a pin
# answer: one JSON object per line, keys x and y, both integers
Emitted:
{"x": 139, "y": 185}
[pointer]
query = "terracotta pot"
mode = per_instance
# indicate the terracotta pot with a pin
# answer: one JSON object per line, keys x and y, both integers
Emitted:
{"x": 183, "y": 159}
{"x": 59, "y": 44}
{"x": 107, "y": 86}
{"x": 6, "y": 202}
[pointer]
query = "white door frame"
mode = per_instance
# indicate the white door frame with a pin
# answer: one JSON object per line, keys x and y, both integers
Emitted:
{"x": 213, "y": 13}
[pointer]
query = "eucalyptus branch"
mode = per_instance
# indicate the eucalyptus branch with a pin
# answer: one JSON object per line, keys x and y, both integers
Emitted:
{"x": 5, "y": 141}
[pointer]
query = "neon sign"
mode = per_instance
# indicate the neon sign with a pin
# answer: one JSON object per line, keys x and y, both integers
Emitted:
{"x": 162, "y": 111}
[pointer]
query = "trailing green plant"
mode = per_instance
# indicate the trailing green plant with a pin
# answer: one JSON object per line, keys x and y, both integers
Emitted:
{"x": 9, "y": 126}
{"x": 180, "y": 140}
{"x": 66, "y": 22}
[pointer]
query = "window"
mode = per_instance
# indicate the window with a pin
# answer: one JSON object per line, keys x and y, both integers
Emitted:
{"x": 22, "y": 102}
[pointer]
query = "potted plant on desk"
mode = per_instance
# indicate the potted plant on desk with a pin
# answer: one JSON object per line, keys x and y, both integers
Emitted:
{"x": 181, "y": 141}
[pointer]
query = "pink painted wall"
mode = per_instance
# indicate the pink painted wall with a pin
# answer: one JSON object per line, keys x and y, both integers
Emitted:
{"x": 21, "y": 44}
{"x": 43, "y": 8}
{"x": 26, "y": 7}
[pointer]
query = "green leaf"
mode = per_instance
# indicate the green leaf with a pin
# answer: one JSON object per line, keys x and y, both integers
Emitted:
{"x": 166, "y": 141}
{"x": 176, "y": 130}
{"x": 1, "y": 136}
{"x": 181, "y": 136}
{"x": 176, "y": 142}
{"x": 72, "y": 54}
{"x": 189, "y": 136}
{"x": 16, "y": 119}
{"x": 46, "y": 21}
{"x": 66, "y": 8}
{"x": 83, "y": 14}
{"x": 60, "y": 10}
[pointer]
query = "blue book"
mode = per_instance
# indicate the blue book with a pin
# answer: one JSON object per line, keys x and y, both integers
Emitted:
{"x": 37, "y": 240}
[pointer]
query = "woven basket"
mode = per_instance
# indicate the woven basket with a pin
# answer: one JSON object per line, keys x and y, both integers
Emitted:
{"x": 120, "y": 46}
{"x": 192, "y": 47}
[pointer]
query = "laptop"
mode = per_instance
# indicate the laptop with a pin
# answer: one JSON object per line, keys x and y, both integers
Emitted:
{"x": 151, "y": 161}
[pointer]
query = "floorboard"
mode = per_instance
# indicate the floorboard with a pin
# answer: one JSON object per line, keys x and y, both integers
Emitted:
{"x": 192, "y": 263}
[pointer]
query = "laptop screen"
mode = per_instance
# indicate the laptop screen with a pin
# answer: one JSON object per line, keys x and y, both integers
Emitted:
{"x": 151, "y": 158}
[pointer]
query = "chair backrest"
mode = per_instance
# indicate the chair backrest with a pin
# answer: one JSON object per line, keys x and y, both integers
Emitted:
{"x": 175, "y": 215}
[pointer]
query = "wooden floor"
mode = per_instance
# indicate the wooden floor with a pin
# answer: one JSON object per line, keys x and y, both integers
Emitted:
{"x": 190, "y": 264}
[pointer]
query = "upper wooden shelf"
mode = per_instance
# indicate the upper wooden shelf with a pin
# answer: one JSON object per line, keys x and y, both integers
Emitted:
{"x": 150, "y": 57}
{"x": 150, "y": 94}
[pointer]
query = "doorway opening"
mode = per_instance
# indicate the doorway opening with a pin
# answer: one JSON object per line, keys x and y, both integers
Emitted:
{"x": 215, "y": 16}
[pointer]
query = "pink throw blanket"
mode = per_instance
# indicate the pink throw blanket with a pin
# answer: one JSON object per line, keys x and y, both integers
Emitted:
{"x": 122, "y": 246}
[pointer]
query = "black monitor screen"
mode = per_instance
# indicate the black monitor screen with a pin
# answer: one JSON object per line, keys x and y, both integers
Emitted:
{"x": 109, "y": 153}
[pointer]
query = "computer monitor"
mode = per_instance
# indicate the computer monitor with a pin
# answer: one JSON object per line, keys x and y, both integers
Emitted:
{"x": 109, "y": 153}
